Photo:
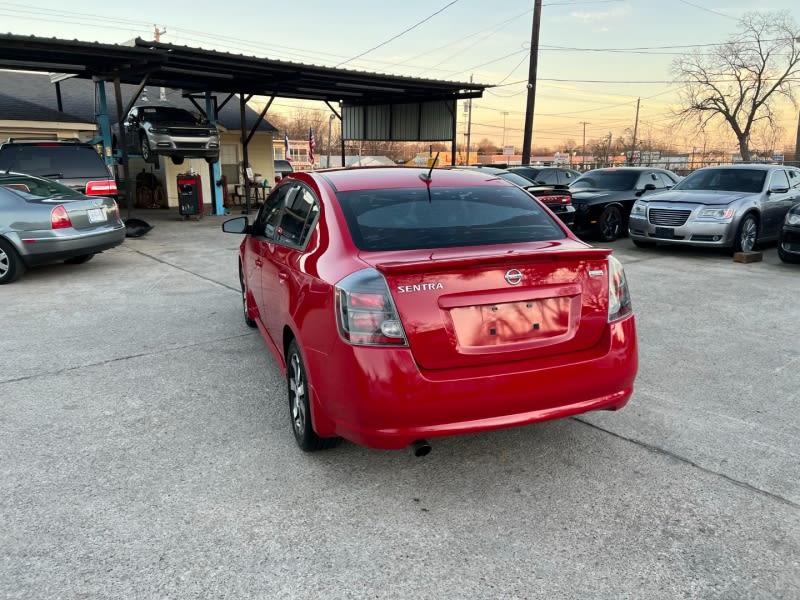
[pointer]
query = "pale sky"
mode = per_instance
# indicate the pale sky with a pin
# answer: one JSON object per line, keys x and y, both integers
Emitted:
{"x": 596, "y": 56}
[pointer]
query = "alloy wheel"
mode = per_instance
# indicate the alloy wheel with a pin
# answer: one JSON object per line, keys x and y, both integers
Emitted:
{"x": 747, "y": 234}
{"x": 5, "y": 263}
{"x": 297, "y": 395}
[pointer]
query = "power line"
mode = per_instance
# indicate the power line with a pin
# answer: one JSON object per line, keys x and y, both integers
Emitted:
{"x": 402, "y": 33}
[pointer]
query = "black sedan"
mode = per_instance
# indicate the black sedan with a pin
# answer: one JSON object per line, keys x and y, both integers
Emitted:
{"x": 557, "y": 198}
{"x": 42, "y": 221}
{"x": 603, "y": 197}
{"x": 789, "y": 242}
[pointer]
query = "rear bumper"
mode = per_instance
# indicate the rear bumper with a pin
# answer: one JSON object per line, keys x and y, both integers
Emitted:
{"x": 385, "y": 401}
{"x": 41, "y": 250}
{"x": 565, "y": 213}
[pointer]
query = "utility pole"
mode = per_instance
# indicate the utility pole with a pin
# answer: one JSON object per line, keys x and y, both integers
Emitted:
{"x": 505, "y": 114}
{"x": 532, "y": 69}
{"x": 469, "y": 123}
{"x": 635, "y": 127}
{"x": 583, "y": 150}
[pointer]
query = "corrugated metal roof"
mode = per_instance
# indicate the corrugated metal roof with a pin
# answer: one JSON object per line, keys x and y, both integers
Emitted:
{"x": 199, "y": 70}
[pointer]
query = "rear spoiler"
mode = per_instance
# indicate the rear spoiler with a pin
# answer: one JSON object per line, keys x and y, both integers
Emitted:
{"x": 442, "y": 263}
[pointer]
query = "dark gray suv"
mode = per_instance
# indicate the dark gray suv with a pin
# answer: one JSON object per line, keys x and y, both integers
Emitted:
{"x": 70, "y": 162}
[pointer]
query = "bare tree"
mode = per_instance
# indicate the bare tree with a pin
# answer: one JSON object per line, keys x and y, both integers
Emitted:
{"x": 738, "y": 82}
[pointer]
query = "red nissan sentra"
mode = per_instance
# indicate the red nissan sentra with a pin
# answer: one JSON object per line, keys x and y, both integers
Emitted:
{"x": 406, "y": 304}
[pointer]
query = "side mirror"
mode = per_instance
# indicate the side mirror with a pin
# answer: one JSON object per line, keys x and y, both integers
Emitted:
{"x": 649, "y": 186}
{"x": 236, "y": 225}
{"x": 778, "y": 190}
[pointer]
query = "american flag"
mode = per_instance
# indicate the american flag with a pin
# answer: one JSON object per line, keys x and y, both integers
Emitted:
{"x": 312, "y": 145}
{"x": 286, "y": 152}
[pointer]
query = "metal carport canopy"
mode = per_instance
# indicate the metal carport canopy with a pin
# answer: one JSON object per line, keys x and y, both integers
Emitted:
{"x": 199, "y": 70}
{"x": 368, "y": 97}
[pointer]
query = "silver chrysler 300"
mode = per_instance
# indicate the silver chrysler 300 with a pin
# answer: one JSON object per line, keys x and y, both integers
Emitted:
{"x": 732, "y": 206}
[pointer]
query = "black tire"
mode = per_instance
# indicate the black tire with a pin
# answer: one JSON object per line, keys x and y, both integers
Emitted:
{"x": 147, "y": 154}
{"x": 79, "y": 260}
{"x": 11, "y": 265}
{"x": 299, "y": 408}
{"x": 176, "y": 159}
{"x": 250, "y": 322}
{"x": 610, "y": 223}
{"x": 787, "y": 257}
{"x": 746, "y": 235}
{"x": 643, "y": 244}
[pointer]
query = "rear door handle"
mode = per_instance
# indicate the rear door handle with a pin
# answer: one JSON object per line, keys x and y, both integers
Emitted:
{"x": 259, "y": 263}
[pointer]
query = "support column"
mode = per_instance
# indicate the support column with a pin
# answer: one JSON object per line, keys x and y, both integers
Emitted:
{"x": 103, "y": 123}
{"x": 214, "y": 169}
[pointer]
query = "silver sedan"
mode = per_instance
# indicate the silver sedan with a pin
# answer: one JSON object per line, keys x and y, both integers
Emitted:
{"x": 42, "y": 221}
{"x": 732, "y": 206}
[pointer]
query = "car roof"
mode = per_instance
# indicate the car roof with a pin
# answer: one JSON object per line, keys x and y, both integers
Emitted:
{"x": 364, "y": 178}
{"x": 758, "y": 166}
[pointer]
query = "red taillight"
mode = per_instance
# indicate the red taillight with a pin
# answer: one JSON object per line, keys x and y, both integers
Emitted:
{"x": 619, "y": 296}
{"x": 561, "y": 199}
{"x": 365, "y": 313}
{"x": 105, "y": 187}
{"x": 59, "y": 219}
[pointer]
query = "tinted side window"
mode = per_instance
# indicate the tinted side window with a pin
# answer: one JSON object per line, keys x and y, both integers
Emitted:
{"x": 299, "y": 215}
{"x": 269, "y": 216}
{"x": 794, "y": 178}
{"x": 650, "y": 177}
{"x": 567, "y": 177}
{"x": 779, "y": 180}
{"x": 665, "y": 179}
{"x": 548, "y": 176}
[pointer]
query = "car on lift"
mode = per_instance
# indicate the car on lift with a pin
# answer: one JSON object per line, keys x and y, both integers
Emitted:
{"x": 405, "y": 303}
{"x": 70, "y": 162}
{"x": 42, "y": 221}
{"x": 603, "y": 198}
{"x": 152, "y": 130}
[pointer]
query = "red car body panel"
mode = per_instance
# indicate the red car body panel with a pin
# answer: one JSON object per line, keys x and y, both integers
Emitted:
{"x": 481, "y": 354}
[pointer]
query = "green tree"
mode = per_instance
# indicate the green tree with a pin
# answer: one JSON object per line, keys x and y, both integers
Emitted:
{"x": 738, "y": 82}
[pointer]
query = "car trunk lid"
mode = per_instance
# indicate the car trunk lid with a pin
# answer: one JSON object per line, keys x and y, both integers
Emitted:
{"x": 497, "y": 305}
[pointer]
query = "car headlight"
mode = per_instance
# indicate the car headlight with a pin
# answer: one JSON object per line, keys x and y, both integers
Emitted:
{"x": 793, "y": 218}
{"x": 639, "y": 209}
{"x": 159, "y": 130}
{"x": 717, "y": 214}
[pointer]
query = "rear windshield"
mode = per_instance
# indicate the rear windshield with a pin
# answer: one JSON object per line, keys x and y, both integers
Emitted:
{"x": 729, "y": 180}
{"x": 31, "y": 188}
{"x": 406, "y": 219}
{"x": 63, "y": 161}
{"x": 616, "y": 181}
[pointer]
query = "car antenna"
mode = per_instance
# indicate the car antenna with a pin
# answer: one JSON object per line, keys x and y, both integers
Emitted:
{"x": 426, "y": 177}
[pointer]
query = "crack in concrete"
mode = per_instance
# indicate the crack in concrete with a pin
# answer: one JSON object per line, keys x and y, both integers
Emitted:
{"x": 123, "y": 358}
{"x": 678, "y": 457}
{"x": 174, "y": 266}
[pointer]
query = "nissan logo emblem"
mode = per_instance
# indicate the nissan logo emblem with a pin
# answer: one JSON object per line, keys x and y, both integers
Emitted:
{"x": 513, "y": 277}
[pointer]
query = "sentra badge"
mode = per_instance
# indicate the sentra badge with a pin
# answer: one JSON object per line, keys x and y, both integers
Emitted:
{"x": 419, "y": 287}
